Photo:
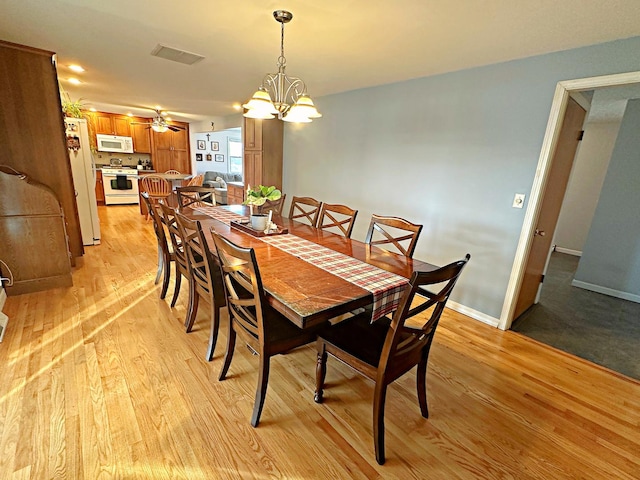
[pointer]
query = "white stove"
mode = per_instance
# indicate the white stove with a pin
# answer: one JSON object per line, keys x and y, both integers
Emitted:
{"x": 120, "y": 185}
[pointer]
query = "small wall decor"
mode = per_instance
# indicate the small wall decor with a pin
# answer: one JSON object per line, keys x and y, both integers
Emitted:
{"x": 219, "y": 157}
{"x": 198, "y": 157}
{"x": 215, "y": 146}
{"x": 73, "y": 143}
{"x": 209, "y": 157}
{"x": 202, "y": 145}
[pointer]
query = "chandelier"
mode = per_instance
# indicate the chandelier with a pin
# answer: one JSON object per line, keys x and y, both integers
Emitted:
{"x": 281, "y": 95}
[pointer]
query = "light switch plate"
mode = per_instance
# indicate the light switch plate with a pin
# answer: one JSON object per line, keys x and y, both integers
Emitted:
{"x": 518, "y": 200}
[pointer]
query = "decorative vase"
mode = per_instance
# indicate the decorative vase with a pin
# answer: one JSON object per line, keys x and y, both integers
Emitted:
{"x": 259, "y": 221}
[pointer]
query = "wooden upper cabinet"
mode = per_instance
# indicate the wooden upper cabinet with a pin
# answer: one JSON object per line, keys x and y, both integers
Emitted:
{"x": 171, "y": 149}
{"x": 110, "y": 124}
{"x": 263, "y": 165}
{"x": 253, "y": 133}
{"x": 141, "y": 135}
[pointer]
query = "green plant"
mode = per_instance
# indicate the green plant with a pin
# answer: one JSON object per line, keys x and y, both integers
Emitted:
{"x": 259, "y": 196}
{"x": 71, "y": 108}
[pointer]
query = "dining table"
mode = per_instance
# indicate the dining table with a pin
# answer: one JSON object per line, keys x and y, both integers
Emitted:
{"x": 175, "y": 179}
{"x": 295, "y": 284}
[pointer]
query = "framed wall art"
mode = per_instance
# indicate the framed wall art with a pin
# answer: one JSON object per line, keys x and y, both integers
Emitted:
{"x": 208, "y": 157}
{"x": 219, "y": 157}
{"x": 215, "y": 146}
{"x": 202, "y": 145}
{"x": 198, "y": 157}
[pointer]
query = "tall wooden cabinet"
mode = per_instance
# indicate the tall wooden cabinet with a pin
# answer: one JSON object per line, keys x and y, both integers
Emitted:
{"x": 170, "y": 150}
{"x": 33, "y": 133}
{"x": 263, "y": 152}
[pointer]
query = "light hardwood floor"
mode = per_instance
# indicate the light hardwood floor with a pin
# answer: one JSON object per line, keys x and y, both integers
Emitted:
{"x": 101, "y": 381}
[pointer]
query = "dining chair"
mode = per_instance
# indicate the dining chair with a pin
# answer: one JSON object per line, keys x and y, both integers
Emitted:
{"x": 395, "y": 233}
{"x": 157, "y": 188}
{"x": 385, "y": 350}
{"x": 206, "y": 277}
{"x": 165, "y": 255}
{"x": 338, "y": 217}
{"x": 172, "y": 172}
{"x": 275, "y": 205}
{"x": 262, "y": 328}
{"x": 195, "y": 196}
{"x": 169, "y": 221}
{"x": 305, "y": 207}
{"x": 196, "y": 181}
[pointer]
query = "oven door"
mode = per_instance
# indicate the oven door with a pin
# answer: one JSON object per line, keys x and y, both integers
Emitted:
{"x": 120, "y": 189}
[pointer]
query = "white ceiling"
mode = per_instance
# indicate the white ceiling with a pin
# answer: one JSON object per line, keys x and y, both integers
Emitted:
{"x": 333, "y": 45}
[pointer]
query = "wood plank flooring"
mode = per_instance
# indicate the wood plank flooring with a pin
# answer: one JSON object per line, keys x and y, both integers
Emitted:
{"x": 100, "y": 381}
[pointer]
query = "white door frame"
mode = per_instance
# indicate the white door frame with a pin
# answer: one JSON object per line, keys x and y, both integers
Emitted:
{"x": 563, "y": 90}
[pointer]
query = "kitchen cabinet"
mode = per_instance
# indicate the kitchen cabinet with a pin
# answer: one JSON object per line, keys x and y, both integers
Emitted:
{"x": 170, "y": 150}
{"x": 99, "y": 188}
{"x": 112, "y": 124}
{"x": 141, "y": 135}
{"x": 262, "y": 159}
{"x": 235, "y": 193}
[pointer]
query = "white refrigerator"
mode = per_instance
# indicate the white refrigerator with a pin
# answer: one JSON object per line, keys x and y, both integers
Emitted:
{"x": 84, "y": 178}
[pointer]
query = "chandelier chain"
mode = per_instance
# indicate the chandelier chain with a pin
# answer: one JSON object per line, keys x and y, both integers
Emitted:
{"x": 282, "y": 61}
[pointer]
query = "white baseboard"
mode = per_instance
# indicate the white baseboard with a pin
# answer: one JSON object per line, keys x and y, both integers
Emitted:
{"x": 3, "y": 297}
{"x": 4, "y": 320}
{"x": 476, "y": 315}
{"x": 568, "y": 251}
{"x": 607, "y": 291}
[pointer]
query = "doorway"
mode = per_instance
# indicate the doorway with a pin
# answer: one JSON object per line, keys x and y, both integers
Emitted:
{"x": 538, "y": 192}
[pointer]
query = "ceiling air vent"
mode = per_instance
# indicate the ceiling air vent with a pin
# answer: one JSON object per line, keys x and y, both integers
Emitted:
{"x": 175, "y": 55}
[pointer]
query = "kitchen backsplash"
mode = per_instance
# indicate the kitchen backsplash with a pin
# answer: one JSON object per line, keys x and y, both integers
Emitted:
{"x": 128, "y": 159}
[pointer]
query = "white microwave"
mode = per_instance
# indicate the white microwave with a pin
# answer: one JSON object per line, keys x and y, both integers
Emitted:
{"x": 114, "y": 143}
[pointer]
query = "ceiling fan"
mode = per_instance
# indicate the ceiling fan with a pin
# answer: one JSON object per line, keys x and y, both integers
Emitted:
{"x": 159, "y": 123}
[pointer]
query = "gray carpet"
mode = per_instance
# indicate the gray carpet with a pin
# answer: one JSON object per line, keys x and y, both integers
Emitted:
{"x": 602, "y": 329}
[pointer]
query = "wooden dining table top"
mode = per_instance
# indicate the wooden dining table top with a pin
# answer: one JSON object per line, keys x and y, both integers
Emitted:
{"x": 307, "y": 295}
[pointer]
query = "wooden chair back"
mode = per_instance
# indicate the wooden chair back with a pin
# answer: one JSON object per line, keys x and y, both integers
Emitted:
{"x": 196, "y": 181}
{"x": 395, "y": 226}
{"x": 275, "y": 205}
{"x": 305, "y": 208}
{"x": 338, "y": 217}
{"x": 157, "y": 187}
{"x": 260, "y": 327}
{"x": 172, "y": 172}
{"x": 195, "y": 196}
{"x": 175, "y": 236}
{"x": 387, "y": 349}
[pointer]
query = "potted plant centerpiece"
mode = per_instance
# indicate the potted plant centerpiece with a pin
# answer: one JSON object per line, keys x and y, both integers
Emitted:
{"x": 256, "y": 198}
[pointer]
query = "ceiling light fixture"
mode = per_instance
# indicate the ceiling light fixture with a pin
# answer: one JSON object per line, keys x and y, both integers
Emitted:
{"x": 76, "y": 68}
{"x": 280, "y": 95}
{"x": 75, "y": 81}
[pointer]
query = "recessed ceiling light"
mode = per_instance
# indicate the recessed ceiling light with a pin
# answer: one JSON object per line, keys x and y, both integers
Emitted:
{"x": 237, "y": 106}
{"x": 76, "y": 68}
{"x": 130, "y": 114}
{"x": 93, "y": 109}
{"x": 75, "y": 81}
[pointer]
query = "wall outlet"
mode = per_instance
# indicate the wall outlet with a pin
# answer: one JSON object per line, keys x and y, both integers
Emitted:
{"x": 518, "y": 200}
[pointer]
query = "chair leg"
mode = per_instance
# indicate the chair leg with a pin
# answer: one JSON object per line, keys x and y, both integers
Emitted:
{"x": 421, "y": 384}
{"x": 379, "y": 398}
{"x": 166, "y": 277}
{"x": 261, "y": 392}
{"x": 215, "y": 326}
{"x": 321, "y": 371}
{"x": 192, "y": 310}
{"x": 176, "y": 287}
{"x": 160, "y": 264}
{"x": 228, "y": 356}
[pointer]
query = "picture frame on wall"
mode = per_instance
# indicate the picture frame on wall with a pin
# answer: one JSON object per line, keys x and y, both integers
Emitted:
{"x": 208, "y": 157}
{"x": 202, "y": 145}
{"x": 219, "y": 157}
{"x": 215, "y": 146}
{"x": 198, "y": 157}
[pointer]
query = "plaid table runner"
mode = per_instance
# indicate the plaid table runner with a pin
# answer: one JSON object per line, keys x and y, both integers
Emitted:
{"x": 387, "y": 288}
{"x": 221, "y": 214}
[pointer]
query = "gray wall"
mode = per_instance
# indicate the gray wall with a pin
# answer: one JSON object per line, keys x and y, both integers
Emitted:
{"x": 611, "y": 255}
{"x": 449, "y": 151}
